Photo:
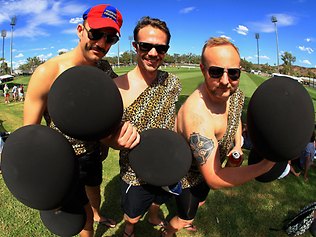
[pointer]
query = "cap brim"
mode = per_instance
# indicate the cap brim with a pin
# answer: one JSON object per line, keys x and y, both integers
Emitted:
{"x": 103, "y": 23}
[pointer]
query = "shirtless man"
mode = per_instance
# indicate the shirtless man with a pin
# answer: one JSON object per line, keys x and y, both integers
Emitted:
{"x": 99, "y": 31}
{"x": 209, "y": 121}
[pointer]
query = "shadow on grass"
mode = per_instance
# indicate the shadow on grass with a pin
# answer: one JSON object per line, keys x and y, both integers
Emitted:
{"x": 2, "y": 129}
{"x": 111, "y": 207}
{"x": 253, "y": 208}
{"x": 247, "y": 210}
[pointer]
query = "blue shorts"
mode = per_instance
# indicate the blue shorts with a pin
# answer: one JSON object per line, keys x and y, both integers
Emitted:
{"x": 90, "y": 166}
{"x": 90, "y": 174}
{"x": 136, "y": 200}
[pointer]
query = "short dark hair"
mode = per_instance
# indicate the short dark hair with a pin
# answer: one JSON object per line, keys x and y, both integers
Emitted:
{"x": 216, "y": 41}
{"x": 155, "y": 23}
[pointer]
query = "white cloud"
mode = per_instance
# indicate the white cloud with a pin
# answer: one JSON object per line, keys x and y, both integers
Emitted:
{"x": 38, "y": 13}
{"x": 306, "y": 49}
{"x": 19, "y": 62}
{"x": 45, "y": 56}
{"x": 39, "y": 49}
{"x": 227, "y": 37}
{"x": 62, "y": 50}
{"x": 70, "y": 31}
{"x": 220, "y": 32}
{"x": 187, "y": 10}
{"x": 264, "y": 57}
{"x": 283, "y": 19}
{"x": 305, "y": 61}
{"x": 243, "y": 30}
{"x": 267, "y": 26}
{"x": 76, "y": 20}
{"x": 20, "y": 55}
{"x": 308, "y": 39}
{"x": 34, "y": 49}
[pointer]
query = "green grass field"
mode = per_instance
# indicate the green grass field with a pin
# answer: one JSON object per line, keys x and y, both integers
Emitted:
{"x": 248, "y": 210}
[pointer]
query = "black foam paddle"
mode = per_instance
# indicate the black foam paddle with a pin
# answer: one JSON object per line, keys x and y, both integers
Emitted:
{"x": 39, "y": 166}
{"x": 280, "y": 118}
{"x": 274, "y": 173}
{"x": 85, "y": 103}
{"x": 67, "y": 221}
{"x": 161, "y": 158}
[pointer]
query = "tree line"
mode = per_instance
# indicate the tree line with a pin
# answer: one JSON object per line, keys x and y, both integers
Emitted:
{"x": 129, "y": 58}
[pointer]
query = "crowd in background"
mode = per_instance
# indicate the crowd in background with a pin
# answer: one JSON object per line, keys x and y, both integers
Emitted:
{"x": 16, "y": 93}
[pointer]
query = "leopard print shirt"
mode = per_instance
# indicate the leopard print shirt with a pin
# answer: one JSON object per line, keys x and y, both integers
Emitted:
{"x": 236, "y": 102}
{"x": 154, "y": 108}
{"x": 83, "y": 147}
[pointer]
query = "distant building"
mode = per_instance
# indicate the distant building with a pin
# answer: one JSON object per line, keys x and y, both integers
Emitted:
{"x": 6, "y": 78}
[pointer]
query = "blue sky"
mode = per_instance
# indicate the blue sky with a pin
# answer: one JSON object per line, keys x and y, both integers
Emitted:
{"x": 44, "y": 27}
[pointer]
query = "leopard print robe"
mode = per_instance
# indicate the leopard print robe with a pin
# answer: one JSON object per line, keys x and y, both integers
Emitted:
{"x": 155, "y": 107}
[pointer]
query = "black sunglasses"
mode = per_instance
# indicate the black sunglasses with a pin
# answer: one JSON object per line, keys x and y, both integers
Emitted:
{"x": 146, "y": 47}
{"x": 94, "y": 34}
{"x": 217, "y": 72}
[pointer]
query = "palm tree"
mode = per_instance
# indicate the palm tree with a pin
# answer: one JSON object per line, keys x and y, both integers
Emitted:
{"x": 287, "y": 59}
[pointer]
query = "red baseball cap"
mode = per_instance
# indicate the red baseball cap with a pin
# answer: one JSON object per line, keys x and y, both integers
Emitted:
{"x": 103, "y": 16}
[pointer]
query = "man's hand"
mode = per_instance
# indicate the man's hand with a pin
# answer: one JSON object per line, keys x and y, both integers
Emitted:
{"x": 126, "y": 137}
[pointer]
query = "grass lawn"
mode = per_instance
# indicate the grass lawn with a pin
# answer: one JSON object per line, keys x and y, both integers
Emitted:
{"x": 248, "y": 210}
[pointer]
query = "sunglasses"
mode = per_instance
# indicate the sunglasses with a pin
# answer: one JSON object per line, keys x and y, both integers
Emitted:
{"x": 217, "y": 72}
{"x": 146, "y": 47}
{"x": 94, "y": 34}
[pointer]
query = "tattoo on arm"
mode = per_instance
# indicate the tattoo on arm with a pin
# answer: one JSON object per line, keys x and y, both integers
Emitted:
{"x": 201, "y": 147}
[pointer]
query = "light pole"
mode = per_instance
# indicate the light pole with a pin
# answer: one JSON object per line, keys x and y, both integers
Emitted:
{"x": 257, "y": 38}
{"x": 3, "y": 35}
{"x": 13, "y": 22}
{"x": 274, "y": 21}
{"x": 118, "y": 54}
{"x": 130, "y": 38}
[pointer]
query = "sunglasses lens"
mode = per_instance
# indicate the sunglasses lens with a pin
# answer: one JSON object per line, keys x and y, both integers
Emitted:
{"x": 95, "y": 34}
{"x": 162, "y": 49}
{"x": 234, "y": 73}
{"x": 146, "y": 47}
{"x": 216, "y": 72}
{"x": 112, "y": 39}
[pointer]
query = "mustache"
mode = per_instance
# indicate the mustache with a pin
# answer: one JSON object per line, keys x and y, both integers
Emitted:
{"x": 97, "y": 48}
{"x": 152, "y": 57}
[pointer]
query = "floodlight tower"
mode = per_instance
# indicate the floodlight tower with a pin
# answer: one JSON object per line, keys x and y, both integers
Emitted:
{"x": 12, "y": 23}
{"x": 130, "y": 38}
{"x": 257, "y": 38}
{"x": 3, "y": 35}
{"x": 274, "y": 21}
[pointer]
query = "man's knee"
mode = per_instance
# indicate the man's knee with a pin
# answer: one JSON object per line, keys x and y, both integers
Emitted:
{"x": 131, "y": 220}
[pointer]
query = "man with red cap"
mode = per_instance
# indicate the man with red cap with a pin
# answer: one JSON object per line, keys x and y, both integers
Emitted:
{"x": 98, "y": 32}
